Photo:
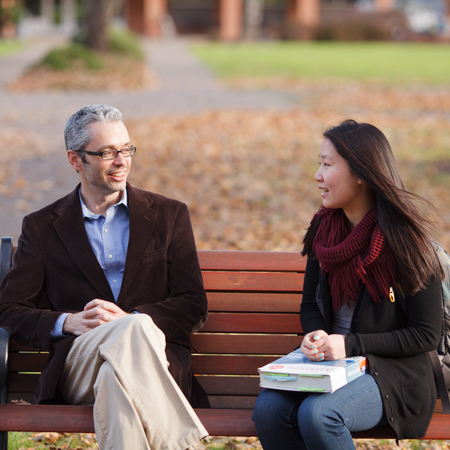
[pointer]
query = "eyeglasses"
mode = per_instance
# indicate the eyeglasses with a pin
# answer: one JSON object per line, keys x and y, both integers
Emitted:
{"x": 112, "y": 154}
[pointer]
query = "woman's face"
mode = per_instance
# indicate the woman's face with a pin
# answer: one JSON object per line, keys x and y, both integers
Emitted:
{"x": 340, "y": 188}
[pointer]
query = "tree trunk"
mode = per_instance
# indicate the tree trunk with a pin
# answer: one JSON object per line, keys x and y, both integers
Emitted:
{"x": 97, "y": 16}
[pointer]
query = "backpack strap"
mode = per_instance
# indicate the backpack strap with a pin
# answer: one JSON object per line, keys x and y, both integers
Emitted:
{"x": 439, "y": 376}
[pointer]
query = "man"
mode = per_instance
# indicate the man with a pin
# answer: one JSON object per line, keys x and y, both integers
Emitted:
{"x": 120, "y": 268}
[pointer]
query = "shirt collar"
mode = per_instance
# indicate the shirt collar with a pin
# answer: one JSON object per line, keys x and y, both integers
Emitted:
{"x": 87, "y": 213}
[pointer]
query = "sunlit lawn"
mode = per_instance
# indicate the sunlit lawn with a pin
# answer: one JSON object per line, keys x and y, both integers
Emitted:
{"x": 9, "y": 46}
{"x": 388, "y": 62}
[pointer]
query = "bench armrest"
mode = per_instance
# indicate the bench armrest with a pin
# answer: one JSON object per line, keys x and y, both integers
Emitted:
{"x": 4, "y": 346}
{"x": 5, "y": 256}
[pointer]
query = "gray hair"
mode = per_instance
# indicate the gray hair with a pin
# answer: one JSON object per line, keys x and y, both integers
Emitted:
{"x": 77, "y": 132}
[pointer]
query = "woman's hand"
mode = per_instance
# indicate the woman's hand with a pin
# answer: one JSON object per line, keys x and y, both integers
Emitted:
{"x": 320, "y": 346}
{"x": 309, "y": 345}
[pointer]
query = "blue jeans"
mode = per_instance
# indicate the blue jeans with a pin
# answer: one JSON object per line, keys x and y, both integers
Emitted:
{"x": 291, "y": 420}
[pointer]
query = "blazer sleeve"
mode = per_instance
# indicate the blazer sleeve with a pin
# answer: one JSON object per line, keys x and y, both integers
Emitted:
{"x": 310, "y": 316}
{"x": 185, "y": 310}
{"x": 23, "y": 288}
{"x": 420, "y": 334}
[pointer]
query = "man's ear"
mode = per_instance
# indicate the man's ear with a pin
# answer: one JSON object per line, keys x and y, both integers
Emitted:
{"x": 74, "y": 160}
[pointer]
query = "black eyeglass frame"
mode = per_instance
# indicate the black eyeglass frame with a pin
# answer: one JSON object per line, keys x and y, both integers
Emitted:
{"x": 131, "y": 147}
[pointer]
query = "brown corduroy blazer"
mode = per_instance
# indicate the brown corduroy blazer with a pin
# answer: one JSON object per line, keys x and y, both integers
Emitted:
{"x": 162, "y": 278}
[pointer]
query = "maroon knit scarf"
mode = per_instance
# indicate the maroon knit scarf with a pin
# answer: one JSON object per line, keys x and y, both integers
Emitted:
{"x": 351, "y": 259}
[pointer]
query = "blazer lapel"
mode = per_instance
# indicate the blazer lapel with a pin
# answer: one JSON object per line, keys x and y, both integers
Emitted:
{"x": 70, "y": 228}
{"x": 142, "y": 221}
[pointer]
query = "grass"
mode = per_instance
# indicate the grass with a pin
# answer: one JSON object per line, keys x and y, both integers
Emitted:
{"x": 385, "y": 61}
{"x": 9, "y": 46}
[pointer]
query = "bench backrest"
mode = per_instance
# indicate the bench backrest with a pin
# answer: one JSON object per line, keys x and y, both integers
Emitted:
{"x": 254, "y": 302}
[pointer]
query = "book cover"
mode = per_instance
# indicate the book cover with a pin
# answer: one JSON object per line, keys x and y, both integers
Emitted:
{"x": 295, "y": 372}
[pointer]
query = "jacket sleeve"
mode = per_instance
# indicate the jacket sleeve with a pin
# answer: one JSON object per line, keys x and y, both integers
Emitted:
{"x": 420, "y": 334}
{"x": 185, "y": 310}
{"x": 22, "y": 290}
{"x": 310, "y": 316}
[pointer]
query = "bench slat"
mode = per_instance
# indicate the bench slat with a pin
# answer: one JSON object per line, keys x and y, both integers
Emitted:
{"x": 217, "y": 385}
{"x": 26, "y": 362}
{"x": 242, "y": 260}
{"x": 262, "y": 344}
{"x": 253, "y": 281}
{"x": 22, "y": 382}
{"x": 253, "y": 302}
{"x": 228, "y": 365}
{"x": 230, "y": 402}
{"x": 218, "y": 422}
{"x": 253, "y": 323}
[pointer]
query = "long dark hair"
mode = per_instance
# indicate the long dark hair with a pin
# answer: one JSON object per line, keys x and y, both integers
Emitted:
{"x": 407, "y": 231}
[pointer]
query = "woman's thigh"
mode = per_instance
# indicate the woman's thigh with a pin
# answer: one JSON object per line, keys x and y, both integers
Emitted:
{"x": 326, "y": 421}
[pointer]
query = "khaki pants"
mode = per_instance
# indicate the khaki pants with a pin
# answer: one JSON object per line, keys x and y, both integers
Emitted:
{"x": 121, "y": 368}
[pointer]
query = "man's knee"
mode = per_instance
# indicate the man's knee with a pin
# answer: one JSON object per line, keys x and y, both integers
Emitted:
{"x": 136, "y": 324}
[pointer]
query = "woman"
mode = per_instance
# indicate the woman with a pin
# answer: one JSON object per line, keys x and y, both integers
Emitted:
{"x": 367, "y": 246}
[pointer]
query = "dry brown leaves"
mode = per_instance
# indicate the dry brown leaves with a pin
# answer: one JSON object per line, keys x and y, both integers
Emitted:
{"x": 247, "y": 176}
{"x": 120, "y": 74}
{"x": 356, "y": 94}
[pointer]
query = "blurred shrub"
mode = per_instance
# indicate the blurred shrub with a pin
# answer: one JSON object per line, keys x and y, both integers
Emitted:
{"x": 73, "y": 56}
{"x": 352, "y": 25}
{"x": 78, "y": 56}
{"x": 126, "y": 43}
{"x": 292, "y": 31}
{"x": 351, "y": 31}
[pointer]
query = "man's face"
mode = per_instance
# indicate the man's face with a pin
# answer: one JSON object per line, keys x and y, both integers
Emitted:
{"x": 100, "y": 176}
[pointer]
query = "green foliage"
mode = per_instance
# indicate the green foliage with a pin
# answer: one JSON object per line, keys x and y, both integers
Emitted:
{"x": 126, "y": 43}
{"x": 72, "y": 56}
{"x": 76, "y": 55}
{"x": 387, "y": 62}
{"x": 10, "y": 14}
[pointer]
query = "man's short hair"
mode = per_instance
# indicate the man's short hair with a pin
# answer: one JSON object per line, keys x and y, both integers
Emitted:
{"x": 77, "y": 132}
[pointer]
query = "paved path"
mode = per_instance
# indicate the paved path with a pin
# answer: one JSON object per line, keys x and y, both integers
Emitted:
{"x": 186, "y": 86}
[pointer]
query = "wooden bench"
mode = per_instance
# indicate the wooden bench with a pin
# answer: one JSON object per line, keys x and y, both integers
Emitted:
{"x": 254, "y": 301}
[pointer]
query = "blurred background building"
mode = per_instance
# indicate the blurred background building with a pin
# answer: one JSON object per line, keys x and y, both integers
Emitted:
{"x": 230, "y": 20}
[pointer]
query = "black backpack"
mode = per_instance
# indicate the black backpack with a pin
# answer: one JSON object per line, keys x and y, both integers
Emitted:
{"x": 440, "y": 358}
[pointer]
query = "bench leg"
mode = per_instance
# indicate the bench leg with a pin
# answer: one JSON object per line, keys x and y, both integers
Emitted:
{"x": 4, "y": 440}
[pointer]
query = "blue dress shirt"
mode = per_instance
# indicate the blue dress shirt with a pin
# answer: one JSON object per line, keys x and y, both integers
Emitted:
{"x": 108, "y": 237}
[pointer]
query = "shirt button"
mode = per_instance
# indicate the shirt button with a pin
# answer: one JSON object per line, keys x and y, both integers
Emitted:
{"x": 110, "y": 256}
{"x": 106, "y": 230}
{"x": 114, "y": 281}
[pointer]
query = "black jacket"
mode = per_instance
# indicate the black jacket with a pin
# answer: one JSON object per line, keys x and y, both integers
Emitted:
{"x": 395, "y": 343}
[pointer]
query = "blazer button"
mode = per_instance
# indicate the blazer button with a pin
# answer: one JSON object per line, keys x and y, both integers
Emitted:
{"x": 375, "y": 373}
{"x": 386, "y": 396}
{"x": 391, "y": 419}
